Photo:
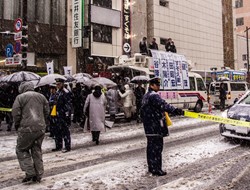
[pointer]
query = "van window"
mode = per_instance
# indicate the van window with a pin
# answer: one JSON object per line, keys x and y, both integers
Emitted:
{"x": 238, "y": 86}
{"x": 192, "y": 83}
{"x": 200, "y": 84}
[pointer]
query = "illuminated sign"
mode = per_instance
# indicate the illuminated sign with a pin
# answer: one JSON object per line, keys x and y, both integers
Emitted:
{"x": 126, "y": 45}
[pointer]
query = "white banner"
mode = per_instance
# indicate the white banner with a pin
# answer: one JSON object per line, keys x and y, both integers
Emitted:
{"x": 68, "y": 70}
{"x": 77, "y": 23}
{"x": 50, "y": 67}
{"x": 172, "y": 69}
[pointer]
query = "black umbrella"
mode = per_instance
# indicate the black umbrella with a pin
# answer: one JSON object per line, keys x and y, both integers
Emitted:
{"x": 20, "y": 77}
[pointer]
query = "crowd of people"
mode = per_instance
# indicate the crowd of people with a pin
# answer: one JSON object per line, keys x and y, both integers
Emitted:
{"x": 144, "y": 46}
{"x": 50, "y": 107}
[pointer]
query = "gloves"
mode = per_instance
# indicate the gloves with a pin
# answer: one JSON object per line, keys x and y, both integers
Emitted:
{"x": 178, "y": 111}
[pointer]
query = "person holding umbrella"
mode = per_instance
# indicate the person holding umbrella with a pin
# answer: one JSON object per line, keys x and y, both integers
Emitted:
{"x": 139, "y": 92}
{"x": 63, "y": 117}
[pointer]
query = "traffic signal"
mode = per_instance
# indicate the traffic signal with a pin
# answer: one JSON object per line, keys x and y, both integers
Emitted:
{"x": 24, "y": 44}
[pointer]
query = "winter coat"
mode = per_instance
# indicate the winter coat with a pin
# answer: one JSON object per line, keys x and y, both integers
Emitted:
{"x": 63, "y": 107}
{"x": 112, "y": 97}
{"x": 139, "y": 92}
{"x": 97, "y": 107}
{"x": 152, "y": 112}
{"x": 30, "y": 109}
{"x": 143, "y": 47}
{"x": 127, "y": 96}
{"x": 153, "y": 45}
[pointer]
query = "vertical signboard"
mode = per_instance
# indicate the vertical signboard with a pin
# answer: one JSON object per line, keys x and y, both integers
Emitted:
{"x": 126, "y": 17}
{"x": 77, "y": 23}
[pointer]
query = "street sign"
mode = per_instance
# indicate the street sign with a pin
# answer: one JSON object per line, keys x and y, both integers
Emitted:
{"x": 18, "y": 25}
{"x": 126, "y": 47}
{"x": 17, "y": 47}
{"x": 17, "y": 59}
{"x": 9, "y": 61}
{"x": 18, "y": 36}
{"x": 9, "y": 50}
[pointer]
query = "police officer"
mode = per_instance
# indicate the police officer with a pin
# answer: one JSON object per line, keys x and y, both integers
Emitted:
{"x": 30, "y": 111}
{"x": 63, "y": 117}
{"x": 152, "y": 114}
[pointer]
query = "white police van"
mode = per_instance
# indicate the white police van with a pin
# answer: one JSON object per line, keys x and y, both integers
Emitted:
{"x": 187, "y": 91}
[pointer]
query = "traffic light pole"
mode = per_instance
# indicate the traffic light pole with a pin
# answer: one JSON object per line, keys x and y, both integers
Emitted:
{"x": 24, "y": 40}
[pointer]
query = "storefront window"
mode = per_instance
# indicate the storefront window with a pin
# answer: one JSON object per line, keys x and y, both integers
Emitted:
{"x": 102, "y": 33}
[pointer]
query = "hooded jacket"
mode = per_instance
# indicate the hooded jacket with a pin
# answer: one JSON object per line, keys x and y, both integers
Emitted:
{"x": 30, "y": 109}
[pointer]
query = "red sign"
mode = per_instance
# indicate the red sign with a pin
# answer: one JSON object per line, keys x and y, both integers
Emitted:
{"x": 18, "y": 25}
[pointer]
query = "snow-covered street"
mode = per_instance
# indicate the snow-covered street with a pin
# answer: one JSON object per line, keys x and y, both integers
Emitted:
{"x": 195, "y": 156}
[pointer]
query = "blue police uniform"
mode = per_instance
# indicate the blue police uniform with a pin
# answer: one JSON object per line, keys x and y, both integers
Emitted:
{"x": 152, "y": 114}
{"x": 63, "y": 119}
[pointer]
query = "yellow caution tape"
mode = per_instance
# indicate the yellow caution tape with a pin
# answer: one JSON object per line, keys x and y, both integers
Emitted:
{"x": 217, "y": 119}
{"x": 6, "y": 109}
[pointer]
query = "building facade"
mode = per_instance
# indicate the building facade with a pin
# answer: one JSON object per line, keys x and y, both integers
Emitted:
{"x": 195, "y": 26}
{"x": 241, "y": 21}
{"x": 46, "y": 31}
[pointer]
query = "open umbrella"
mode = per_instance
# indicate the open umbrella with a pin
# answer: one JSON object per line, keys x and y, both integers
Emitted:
{"x": 49, "y": 79}
{"x": 80, "y": 75}
{"x": 69, "y": 78}
{"x": 20, "y": 77}
{"x": 104, "y": 82}
{"x": 140, "y": 79}
{"x": 82, "y": 80}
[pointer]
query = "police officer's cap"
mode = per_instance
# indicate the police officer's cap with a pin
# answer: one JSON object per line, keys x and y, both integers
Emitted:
{"x": 59, "y": 80}
{"x": 155, "y": 80}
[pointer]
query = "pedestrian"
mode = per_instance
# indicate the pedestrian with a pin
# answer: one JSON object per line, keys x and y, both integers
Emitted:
{"x": 63, "y": 117}
{"x": 96, "y": 105}
{"x": 169, "y": 46}
{"x": 127, "y": 100}
{"x": 30, "y": 111}
{"x": 52, "y": 102}
{"x": 77, "y": 102}
{"x": 139, "y": 92}
{"x": 143, "y": 46}
{"x": 153, "y": 44}
{"x": 153, "y": 118}
{"x": 84, "y": 94}
{"x": 223, "y": 96}
{"x": 112, "y": 97}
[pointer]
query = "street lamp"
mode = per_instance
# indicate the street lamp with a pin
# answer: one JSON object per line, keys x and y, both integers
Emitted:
{"x": 248, "y": 74}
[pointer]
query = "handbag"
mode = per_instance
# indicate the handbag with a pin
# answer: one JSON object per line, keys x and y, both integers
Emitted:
{"x": 168, "y": 120}
{"x": 53, "y": 111}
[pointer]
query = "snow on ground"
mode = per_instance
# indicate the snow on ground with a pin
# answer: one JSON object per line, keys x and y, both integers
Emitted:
{"x": 116, "y": 174}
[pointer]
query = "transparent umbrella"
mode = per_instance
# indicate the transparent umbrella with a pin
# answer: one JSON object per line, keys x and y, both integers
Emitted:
{"x": 49, "y": 79}
{"x": 80, "y": 75}
{"x": 20, "y": 77}
{"x": 69, "y": 78}
{"x": 104, "y": 82}
{"x": 140, "y": 79}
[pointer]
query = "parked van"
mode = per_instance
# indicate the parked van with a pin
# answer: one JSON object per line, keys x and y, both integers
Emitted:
{"x": 234, "y": 91}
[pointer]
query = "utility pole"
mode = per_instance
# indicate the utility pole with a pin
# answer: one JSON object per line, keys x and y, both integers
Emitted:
{"x": 24, "y": 40}
{"x": 248, "y": 74}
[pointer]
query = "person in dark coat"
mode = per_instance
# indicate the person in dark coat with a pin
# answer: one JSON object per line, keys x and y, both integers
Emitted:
{"x": 63, "y": 117}
{"x": 77, "y": 102}
{"x": 139, "y": 92}
{"x": 170, "y": 47}
{"x": 223, "y": 96}
{"x": 143, "y": 46}
{"x": 52, "y": 102}
{"x": 153, "y": 44}
{"x": 153, "y": 118}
